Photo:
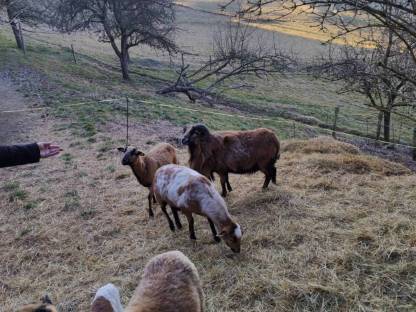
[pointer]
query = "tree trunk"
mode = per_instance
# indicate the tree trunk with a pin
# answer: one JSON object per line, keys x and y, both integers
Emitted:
{"x": 128, "y": 57}
{"x": 378, "y": 130}
{"x": 124, "y": 58}
{"x": 15, "y": 28}
{"x": 387, "y": 118}
{"x": 124, "y": 62}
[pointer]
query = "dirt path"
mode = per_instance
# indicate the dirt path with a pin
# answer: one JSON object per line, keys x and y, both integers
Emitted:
{"x": 15, "y": 127}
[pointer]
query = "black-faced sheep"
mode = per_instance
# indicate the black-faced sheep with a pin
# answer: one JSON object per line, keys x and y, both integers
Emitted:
{"x": 186, "y": 190}
{"x": 233, "y": 152}
{"x": 170, "y": 283}
{"x": 144, "y": 165}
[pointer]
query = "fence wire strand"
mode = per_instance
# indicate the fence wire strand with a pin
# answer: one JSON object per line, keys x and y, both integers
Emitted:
{"x": 315, "y": 128}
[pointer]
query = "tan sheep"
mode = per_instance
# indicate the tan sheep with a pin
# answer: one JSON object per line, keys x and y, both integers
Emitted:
{"x": 170, "y": 283}
{"x": 144, "y": 165}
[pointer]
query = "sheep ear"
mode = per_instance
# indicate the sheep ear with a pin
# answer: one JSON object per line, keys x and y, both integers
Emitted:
{"x": 139, "y": 153}
{"x": 122, "y": 149}
{"x": 184, "y": 129}
{"x": 222, "y": 234}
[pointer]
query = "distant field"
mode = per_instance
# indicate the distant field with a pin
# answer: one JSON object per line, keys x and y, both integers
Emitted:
{"x": 290, "y": 26}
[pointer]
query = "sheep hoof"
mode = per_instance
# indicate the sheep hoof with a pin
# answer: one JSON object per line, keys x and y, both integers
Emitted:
{"x": 217, "y": 239}
{"x": 179, "y": 226}
{"x": 172, "y": 228}
{"x": 192, "y": 237}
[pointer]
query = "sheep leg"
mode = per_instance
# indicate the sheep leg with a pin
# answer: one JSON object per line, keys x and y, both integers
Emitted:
{"x": 270, "y": 173}
{"x": 214, "y": 231}
{"x": 230, "y": 189}
{"x": 171, "y": 225}
{"x": 154, "y": 199}
{"x": 266, "y": 181}
{"x": 191, "y": 226}
{"x": 149, "y": 198}
{"x": 176, "y": 216}
{"x": 223, "y": 182}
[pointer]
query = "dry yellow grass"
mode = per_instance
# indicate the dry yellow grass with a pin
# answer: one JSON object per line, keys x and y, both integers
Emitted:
{"x": 322, "y": 145}
{"x": 328, "y": 237}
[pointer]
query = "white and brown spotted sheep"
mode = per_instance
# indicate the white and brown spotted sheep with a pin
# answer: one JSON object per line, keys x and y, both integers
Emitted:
{"x": 186, "y": 190}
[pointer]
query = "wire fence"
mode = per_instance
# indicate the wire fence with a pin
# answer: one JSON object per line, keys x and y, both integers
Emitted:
{"x": 318, "y": 130}
{"x": 396, "y": 131}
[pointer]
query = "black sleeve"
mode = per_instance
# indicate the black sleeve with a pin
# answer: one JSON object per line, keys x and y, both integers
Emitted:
{"x": 15, "y": 155}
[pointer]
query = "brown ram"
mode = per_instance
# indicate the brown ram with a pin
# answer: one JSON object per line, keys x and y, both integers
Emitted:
{"x": 233, "y": 152}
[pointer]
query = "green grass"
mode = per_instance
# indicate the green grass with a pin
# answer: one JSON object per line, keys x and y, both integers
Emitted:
{"x": 88, "y": 214}
{"x": 67, "y": 158}
{"x": 18, "y": 195}
{"x": 11, "y": 186}
{"x": 111, "y": 168}
{"x": 71, "y": 201}
{"x": 31, "y": 205}
{"x": 276, "y": 98}
{"x": 15, "y": 191}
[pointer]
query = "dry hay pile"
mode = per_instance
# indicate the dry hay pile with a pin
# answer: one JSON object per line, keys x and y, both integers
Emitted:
{"x": 336, "y": 234}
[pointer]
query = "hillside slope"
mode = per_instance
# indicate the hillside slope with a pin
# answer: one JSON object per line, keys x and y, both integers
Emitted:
{"x": 336, "y": 234}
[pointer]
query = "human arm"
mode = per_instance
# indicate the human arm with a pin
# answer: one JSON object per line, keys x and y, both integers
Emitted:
{"x": 15, "y": 155}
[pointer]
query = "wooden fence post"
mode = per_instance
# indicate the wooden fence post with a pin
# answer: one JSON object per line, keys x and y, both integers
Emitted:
{"x": 73, "y": 53}
{"x": 21, "y": 37}
{"x": 294, "y": 129}
{"x": 414, "y": 144}
{"x": 127, "y": 121}
{"x": 334, "y": 128}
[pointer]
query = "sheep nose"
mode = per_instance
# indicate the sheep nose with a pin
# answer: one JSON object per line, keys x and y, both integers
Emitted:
{"x": 125, "y": 162}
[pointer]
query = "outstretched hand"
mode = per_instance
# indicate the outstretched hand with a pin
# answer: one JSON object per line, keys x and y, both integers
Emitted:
{"x": 48, "y": 149}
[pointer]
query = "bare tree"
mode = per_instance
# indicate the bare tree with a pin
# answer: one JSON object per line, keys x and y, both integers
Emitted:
{"x": 122, "y": 23}
{"x": 369, "y": 72}
{"x": 349, "y": 16}
{"x": 26, "y": 11}
{"x": 237, "y": 51}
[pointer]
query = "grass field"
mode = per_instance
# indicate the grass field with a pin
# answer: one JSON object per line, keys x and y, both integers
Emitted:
{"x": 335, "y": 234}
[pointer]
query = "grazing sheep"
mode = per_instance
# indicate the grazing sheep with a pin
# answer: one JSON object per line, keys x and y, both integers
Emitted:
{"x": 44, "y": 306}
{"x": 170, "y": 283}
{"x": 186, "y": 190}
{"x": 144, "y": 165}
{"x": 233, "y": 152}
